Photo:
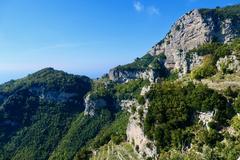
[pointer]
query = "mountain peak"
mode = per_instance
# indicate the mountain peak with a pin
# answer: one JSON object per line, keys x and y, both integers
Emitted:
{"x": 195, "y": 28}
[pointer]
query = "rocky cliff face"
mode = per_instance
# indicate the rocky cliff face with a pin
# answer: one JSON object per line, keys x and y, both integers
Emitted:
{"x": 191, "y": 30}
{"x": 125, "y": 75}
{"x": 135, "y": 133}
{"x": 92, "y": 104}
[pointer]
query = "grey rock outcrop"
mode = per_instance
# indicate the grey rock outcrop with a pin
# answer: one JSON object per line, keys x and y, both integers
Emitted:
{"x": 136, "y": 136}
{"x": 92, "y": 104}
{"x": 125, "y": 75}
{"x": 135, "y": 133}
{"x": 51, "y": 95}
{"x": 190, "y": 31}
{"x": 228, "y": 64}
{"x": 193, "y": 29}
{"x": 205, "y": 118}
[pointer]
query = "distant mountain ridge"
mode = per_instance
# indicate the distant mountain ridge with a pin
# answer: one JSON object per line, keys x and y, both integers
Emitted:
{"x": 47, "y": 97}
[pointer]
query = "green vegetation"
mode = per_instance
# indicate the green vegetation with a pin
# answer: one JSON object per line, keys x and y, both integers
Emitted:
{"x": 212, "y": 52}
{"x": 235, "y": 45}
{"x": 206, "y": 69}
{"x": 50, "y": 79}
{"x": 217, "y": 50}
{"x": 232, "y": 12}
{"x": 144, "y": 62}
{"x": 39, "y": 139}
{"x": 170, "y": 119}
{"x": 115, "y": 131}
{"x": 42, "y": 127}
{"x": 31, "y": 124}
{"x": 139, "y": 63}
{"x": 130, "y": 90}
{"x": 236, "y": 104}
{"x": 41, "y": 115}
{"x": 81, "y": 131}
{"x": 210, "y": 145}
{"x": 172, "y": 76}
{"x": 236, "y": 123}
{"x": 112, "y": 151}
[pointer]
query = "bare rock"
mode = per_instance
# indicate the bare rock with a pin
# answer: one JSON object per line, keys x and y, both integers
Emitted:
{"x": 92, "y": 103}
{"x": 205, "y": 118}
{"x": 126, "y": 75}
{"x": 190, "y": 31}
{"x": 228, "y": 64}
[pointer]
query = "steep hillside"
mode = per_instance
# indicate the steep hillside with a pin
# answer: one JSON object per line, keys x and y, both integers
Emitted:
{"x": 179, "y": 101}
{"x": 202, "y": 48}
{"x": 37, "y": 111}
{"x": 183, "y": 118}
{"x": 116, "y": 152}
{"x": 193, "y": 29}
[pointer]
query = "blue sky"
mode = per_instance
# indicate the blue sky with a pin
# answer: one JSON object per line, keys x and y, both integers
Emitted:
{"x": 84, "y": 36}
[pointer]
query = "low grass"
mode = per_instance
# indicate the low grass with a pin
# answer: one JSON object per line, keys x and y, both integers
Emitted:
{"x": 123, "y": 151}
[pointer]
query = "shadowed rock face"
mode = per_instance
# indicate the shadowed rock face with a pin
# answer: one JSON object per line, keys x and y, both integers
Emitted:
{"x": 92, "y": 104}
{"x": 23, "y": 98}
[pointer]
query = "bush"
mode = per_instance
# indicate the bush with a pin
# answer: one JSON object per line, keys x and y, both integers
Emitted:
{"x": 141, "y": 100}
{"x": 235, "y": 123}
{"x": 205, "y": 70}
{"x": 229, "y": 92}
{"x": 117, "y": 128}
{"x": 117, "y": 139}
{"x": 237, "y": 104}
{"x": 84, "y": 154}
{"x": 222, "y": 51}
{"x": 209, "y": 138}
{"x": 133, "y": 109}
{"x": 138, "y": 64}
{"x": 140, "y": 112}
{"x": 212, "y": 125}
{"x": 129, "y": 90}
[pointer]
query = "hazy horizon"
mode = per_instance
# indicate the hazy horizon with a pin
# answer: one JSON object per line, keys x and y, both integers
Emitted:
{"x": 84, "y": 37}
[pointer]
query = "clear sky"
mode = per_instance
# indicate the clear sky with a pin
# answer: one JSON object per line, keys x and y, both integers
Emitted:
{"x": 84, "y": 36}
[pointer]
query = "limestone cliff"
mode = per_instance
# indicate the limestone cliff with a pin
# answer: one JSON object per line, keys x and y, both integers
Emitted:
{"x": 92, "y": 104}
{"x": 125, "y": 75}
{"x": 193, "y": 29}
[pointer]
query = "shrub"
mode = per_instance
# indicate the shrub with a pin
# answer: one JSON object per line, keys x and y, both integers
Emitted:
{"x": 205, "y": 70}
{"x": 235, "y": 123}
{"x": 130, "y": 89}
{"x": 229, "y": 92}
{"x": 237, "y": 104}
{"x": 117, "y": 139}
{"x": 138, "y": 64}
{"x": 140, "y": 112}
{"x": 133, "y": 109}
{"x": 141, "y": 100}
{"x": 222, "y": 51}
